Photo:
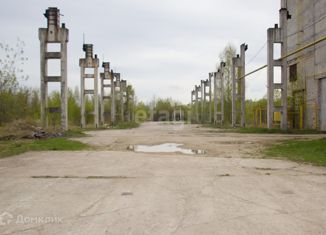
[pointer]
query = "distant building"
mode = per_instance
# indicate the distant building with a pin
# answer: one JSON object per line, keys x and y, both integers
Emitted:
{"x": 307, "y": 69}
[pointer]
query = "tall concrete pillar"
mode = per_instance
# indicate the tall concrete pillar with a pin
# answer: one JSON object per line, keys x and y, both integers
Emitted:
{"x": 243, "y": 50}
{"x": 239, "y": 86}
{"x": 277, "y": 35}
{"x": 235, "y": 62}
{"x": 112, "y": 96}
{"x": 203, "y": 101}
{"x": 219, "y": 95}
{"x": 89, "y": 62}
{"x": 123, "y": 88}
{"x": 210, "y": 75}
{"x": 221, "y": 74}
{"x": 117, "y": 89}
{"x": 284, "y": 16}
{"x": 197, "y": 99}
{"x": 129, "y": 103}
{"x": 193, "y": 99}
{"x": 105, "y": 76}
{"x": 215, "y": 97}
{"x": 53, "y": 34}
{"x": 205, "y": 85}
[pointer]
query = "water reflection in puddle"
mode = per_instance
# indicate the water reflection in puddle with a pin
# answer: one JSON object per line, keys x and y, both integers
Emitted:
{"x": 165, "y": 148}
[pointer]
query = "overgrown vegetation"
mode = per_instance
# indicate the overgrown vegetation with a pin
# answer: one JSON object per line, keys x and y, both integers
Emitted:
{"x": 10, "y": 148}
{"x": 253, "y": 130}
{"x": 311, "y": 151}
{"x": 126, "y": 125}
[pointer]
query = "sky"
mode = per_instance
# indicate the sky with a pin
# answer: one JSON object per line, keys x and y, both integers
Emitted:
{"x": 162, "y": 47}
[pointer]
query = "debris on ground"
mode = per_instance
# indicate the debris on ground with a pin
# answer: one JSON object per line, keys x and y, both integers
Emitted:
{"x": 24, "y": 129}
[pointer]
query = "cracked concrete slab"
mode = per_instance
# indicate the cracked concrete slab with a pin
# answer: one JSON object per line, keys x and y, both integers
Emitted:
{"x": 118, "y": 191}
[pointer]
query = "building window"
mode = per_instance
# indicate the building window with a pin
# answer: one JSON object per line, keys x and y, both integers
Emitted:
{"x": 293, "y": 73}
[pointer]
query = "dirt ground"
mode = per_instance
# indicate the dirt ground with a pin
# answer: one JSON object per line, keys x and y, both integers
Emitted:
{"x": 112, "y": 190}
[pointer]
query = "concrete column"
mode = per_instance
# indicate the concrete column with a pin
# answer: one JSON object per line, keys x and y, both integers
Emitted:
{"x": 112, "y": 98}
{"x": 222, "y": 91}
{"x": 284, "y": 16}
{"x": 82, "y": 98}
{"x": 117, "y": 93}
{"x": 105, "y": 76}
{"x": 102, "y": 116}
{"x": 219, "y": 95}
{"x": 277, "y": 35}
{"x": 243, "y": 50}
{"x": 192, "y": 104}
{"x": 210, "y": 96}
{"x": 215, "y": 98}
{"x": 197, "y": 89}
{"x": 270, "y": 77}
{"x": 89, "y": 62}
{"x": 53, "y": 34}
{"x": 123, "y": 87}
{"x": 234, "y": 91}
{"x": 202, "y": 91}
{"x": 64, "y": 87}
{"x": 96, "y": 110}
{"x": 44, "y": 89}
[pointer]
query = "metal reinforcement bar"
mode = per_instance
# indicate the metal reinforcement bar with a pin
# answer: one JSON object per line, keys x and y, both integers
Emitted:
{"x": 288, "y": 55}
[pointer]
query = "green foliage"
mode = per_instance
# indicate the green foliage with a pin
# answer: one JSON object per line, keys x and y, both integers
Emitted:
{"x": 15, "y": 102}
{"x": 10, "y": 148}
{"x": 11, "y": 62}
{"x": 126, "y": 125}
{"x": 312, "y": 151}
{"x": 141, "y": 112}
{"x": 20, "y": 104}
{"x": 73, "y": 107}
{"x": 226, "y": 56}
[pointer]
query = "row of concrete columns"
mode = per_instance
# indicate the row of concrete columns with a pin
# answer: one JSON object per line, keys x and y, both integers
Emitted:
{"x": 109, "y": 79}
{"x": 276, "y": 35}
{"x": 54, "y": 33}
{"x": 218, "y": 91}
{"x": 238, "y": 94}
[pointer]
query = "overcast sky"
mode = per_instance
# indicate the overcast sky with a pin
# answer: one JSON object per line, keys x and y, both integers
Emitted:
{"x": 161, "y": 47}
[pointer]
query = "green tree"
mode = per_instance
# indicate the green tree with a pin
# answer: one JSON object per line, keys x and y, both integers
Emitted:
{"x": 11, "y": 62}
{"x": 73, "y": 107}
{"x": 13, "y": 101}
{"x": 226, "y": 56}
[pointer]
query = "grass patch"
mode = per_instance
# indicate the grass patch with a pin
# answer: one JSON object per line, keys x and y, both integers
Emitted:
{"x": 11, "y": 148}
{"x": 254, "y": 130}
{"x": 311, "y": 151}
{"x": 126, "y": 125}
{"x": 75, "y": 132}
{"x": 275, "y": 131}
{"x": 117, "y": 126}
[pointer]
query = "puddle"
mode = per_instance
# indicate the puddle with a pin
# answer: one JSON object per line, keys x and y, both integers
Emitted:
{"x": 165, "y": 148}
